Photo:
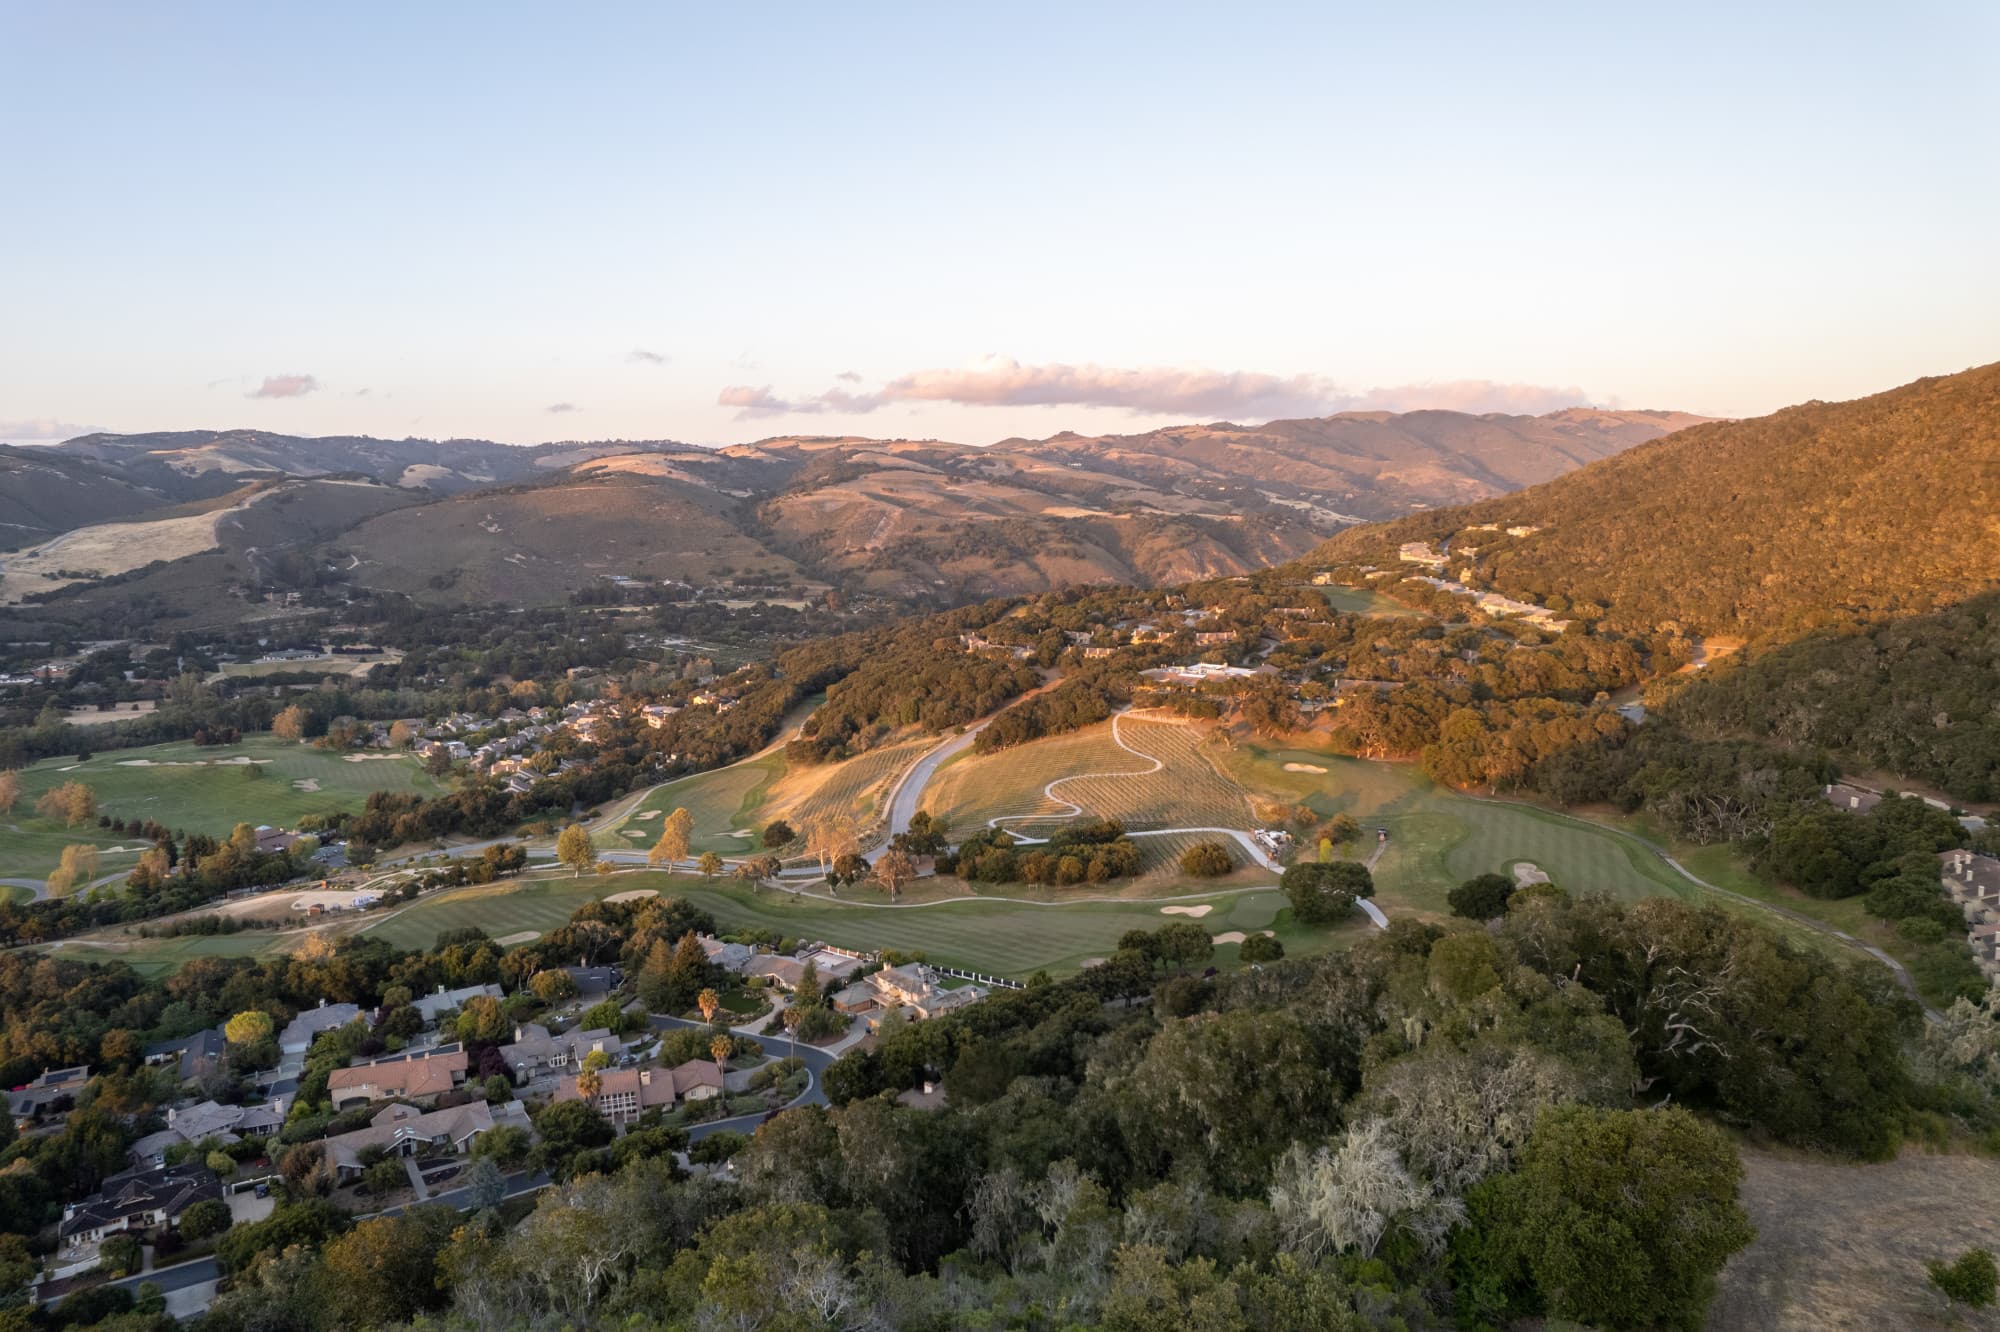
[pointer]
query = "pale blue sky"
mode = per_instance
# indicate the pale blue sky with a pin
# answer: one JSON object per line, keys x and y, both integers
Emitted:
{"x": 446, "y": 220}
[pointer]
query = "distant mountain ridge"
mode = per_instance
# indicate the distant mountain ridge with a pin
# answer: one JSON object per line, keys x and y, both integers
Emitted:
{"x": 925, "y": 522}
{"x": 1821, "y": 513}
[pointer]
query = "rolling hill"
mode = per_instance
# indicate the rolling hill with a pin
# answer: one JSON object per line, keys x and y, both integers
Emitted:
{"x": 1820, "y": 514}
{"x": 924, "y": 522}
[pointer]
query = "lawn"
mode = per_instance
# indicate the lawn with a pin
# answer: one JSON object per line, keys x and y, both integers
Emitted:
{"x": 196, "y": 789}
{"x": 1006, "y": 938}
{"x": 1439, "y": 838}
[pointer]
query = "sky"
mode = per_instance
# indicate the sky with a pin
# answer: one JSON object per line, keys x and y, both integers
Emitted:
{"x": 966, "y": 222}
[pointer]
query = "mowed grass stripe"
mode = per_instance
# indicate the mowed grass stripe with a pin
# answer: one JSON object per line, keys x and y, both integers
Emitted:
{"x": 1006, "y": 938}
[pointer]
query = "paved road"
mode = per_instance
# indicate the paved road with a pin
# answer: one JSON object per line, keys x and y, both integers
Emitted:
{"x": 815, "y": 1059}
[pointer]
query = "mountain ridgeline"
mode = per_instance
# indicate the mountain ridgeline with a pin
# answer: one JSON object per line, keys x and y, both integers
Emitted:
{"x": 921, "y": 523}
{"x": 1817, "y": 515}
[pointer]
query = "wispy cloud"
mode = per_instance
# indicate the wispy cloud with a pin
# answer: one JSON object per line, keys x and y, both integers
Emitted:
{"x": 640, "y": 356}
{"x": 41, "y": 430}
{"x": 1192, "y": 392}
{"x": 285, "y": 386}
{"x": 558, "y": 408}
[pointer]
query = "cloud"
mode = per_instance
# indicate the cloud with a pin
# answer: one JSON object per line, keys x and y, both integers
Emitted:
{"x": 640, "y": 356}
{"x": 848, "y": 377}
{"x": 42, "y": 430}
{"x": 558, "y": 408}
{"x": 1473, "y": 396}
{"x": 1190, "y": 392}
{"x": 285, "y": 386}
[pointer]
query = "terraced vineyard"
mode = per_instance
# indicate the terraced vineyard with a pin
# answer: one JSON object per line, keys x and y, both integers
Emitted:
{"x": 1158, "y": 778}
{"x": 1183, "y": 791}
{"x": 856, "y": 789}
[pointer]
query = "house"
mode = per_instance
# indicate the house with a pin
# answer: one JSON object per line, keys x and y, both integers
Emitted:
{"x": 195, "y": 1056}
{"x": 1420, "y": 552}
{"x": 54, "y": 1084}
{"x": 1215, "y": 638}
{"x": 786, "y": 972}
{"x": 210, "y": 1119}
{"x": 1099, "y": 653}
{"x": 404, "y": 1077}
{"x": 436, "y": 1005}
{"x": 625, "y": 1094}
{"x": 912, "y": 987}
{"x": 535, "y": 1053}
{"x": 734, "y": 957}
{"x": 137, "y": 1200}
{"x": 1855, "y": 799}
{"x": 595, "y": 980}
{"x": 271, "y": 841}
{"x": 298, "y": 1035}
{"x": 401, "y": 1130}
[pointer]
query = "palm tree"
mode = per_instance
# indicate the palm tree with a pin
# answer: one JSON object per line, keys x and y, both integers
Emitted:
{"x": 792, "y": 1017}
{"x": 709, "y": 1001}
{"x": 721, "y": 1047}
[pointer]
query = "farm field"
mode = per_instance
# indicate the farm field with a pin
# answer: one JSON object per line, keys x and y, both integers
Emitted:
{"x": 1438, "y": 838}
{"x": 1007, "y": 938}
{"x": 855, "y": 789}
{"x": 197, "y": 789}
{"x": 1168, "y": 782}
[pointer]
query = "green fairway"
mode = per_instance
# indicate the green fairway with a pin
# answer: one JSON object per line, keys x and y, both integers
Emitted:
{"x": 1363, "y": 601}
{"x": 1439, "y": 838}
{"x": 1006, "y": 938}
{"x": 158, "y": 957}
{"x": 195, "y": 788}
{"x": 723, "y": 801}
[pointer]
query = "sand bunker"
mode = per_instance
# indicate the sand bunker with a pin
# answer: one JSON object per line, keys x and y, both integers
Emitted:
{"x": 238, "y": 761}
{"x": 1196, "y": 911}
{"x": 1085, "y": 965}
{"x": 367, "y": 758}
{"x": 305, "y": 783}
{"x": 639, "y": 833}
{"x": 645, "y": 814}
{"x": 1234, "y": 936}
{"x": 1527, "y": 873}
{"x": 525, "y": 936}
{"x": 634, "y": 895}
{"x": 1305, "y": 767}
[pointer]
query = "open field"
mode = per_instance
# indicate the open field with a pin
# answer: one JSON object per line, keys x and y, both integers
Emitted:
{"x": 1438, "y": 838}
{"x": 1004, "y": 937}
{"x": 105, "y": 549}
{"x": 196, "y": 789}
{"x": 348, "y": 665}
{"x": 1841, "y": 1247}
{"x": 1159, "y": 777}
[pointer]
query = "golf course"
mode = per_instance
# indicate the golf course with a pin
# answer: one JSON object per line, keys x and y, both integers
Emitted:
{"x": 194, "y": 788}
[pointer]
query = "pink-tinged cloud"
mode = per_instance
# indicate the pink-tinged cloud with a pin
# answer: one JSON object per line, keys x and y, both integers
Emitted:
{"x": 558, "y": 408}
{"x": 641, "y": 356}
{"x": 285, "y": 386}
{"x": 41, "y": 430}
{"x": 1189, "y": 392}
